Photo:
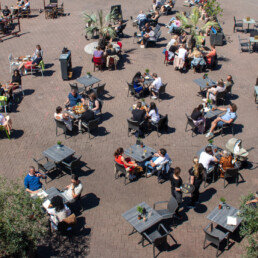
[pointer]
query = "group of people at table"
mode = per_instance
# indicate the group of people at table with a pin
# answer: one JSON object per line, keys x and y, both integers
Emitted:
{"x": 57, "y": 209}
{"x": 91, "y": 109}
{"x": 21, "y": 5}
{"x": 201, "y": 165}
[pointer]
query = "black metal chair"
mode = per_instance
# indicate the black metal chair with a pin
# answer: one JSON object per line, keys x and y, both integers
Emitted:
{"x": 120, "y": 168}
{"x": 46, "y": 167}
{"x": 229, "y": 89}
{"x": 154, "y": 23}
{"x": 207, "y": 173}
{"x": 162, "y": 124}
{"x": 99, "y": 90}
{"x": 220, "y": 96}
{"x": 237, "y": 24}
{"x": 134, "y": 125}
{"x": 226, "y": 126}
{"x": 132, "y": 90}
{"x": 170, "y": 210}
{"x": 75, "y": 87}
{"x": 161, "y": 91}
{"x": 244, "y": 45}
{"x": 215, "y": 236}
{"x": 153, "y": 41}
{"x": 61, "y": 124}
{"x": 157, "y": 236}
{"x": 120, "y": 32}
{"x": 192, "y": 125}
{"x": 72, "y": 162}
{"x": 91, "y": 125}
{"x": 232, "y": 173}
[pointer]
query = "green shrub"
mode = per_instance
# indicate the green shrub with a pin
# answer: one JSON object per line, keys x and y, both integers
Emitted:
{"x": 22, "y": 221}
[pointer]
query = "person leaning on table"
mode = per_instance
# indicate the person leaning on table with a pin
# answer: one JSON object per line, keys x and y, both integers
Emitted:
{"x": 32, "y": 181}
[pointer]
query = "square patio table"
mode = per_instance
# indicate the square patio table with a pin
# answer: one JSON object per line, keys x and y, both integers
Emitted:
{"x": 136, "y": 152}
{"x": 88, "y": 81}
{"x": 140, "y": 226}
{"x": 77, "y": 117}
{"x": 252, "y": 21}
{"x": 148, "y": 81}
{"x": 220, "y": 217}
{"x": 213, "y": 113}
{"x": 52, "y": 192}
{"x": 198, "y": 153}
{"x": 58, "y": 154}
{"x": 202, "y": 83}
{"x": 252, "y": 40}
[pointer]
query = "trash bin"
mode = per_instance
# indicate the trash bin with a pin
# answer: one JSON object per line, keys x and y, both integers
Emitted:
{"x": 66, "y": 64}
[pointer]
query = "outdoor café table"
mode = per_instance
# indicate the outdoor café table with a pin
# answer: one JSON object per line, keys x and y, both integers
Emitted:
{"x": 213, "y": 113}
{"x": 203, "y": 83}
{"x": 136, "y": 152}
{"x": 52, "y": 192}
{"x": 140, "y": 226}
{"x": 148, "y": 81}
{"x": 58, "y": 154}
{"x": 251, "y": 21}
{"x": 88, "y": 81}
{"x": 77, "y": 117}
{"x": 252, "y": 40}
{"x": 219, "y": 216}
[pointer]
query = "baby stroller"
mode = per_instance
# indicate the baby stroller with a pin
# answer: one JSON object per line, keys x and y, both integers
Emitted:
{"x": 239, "y": 154}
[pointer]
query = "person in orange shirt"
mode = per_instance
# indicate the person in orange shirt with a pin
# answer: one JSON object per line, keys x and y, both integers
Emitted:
{"x": 210, "y": 55}
{"x": 225, "y": 162}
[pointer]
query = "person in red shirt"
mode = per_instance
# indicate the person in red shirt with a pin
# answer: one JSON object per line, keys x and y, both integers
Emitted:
{"x": 210, "y": 55}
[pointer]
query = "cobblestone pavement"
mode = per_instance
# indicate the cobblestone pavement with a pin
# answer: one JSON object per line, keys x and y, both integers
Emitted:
{"x": 34, "y": 128}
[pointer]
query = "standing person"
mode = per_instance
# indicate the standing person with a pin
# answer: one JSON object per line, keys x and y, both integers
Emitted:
{"x": 176, "y": 183}
{"x": 196, "y": 178}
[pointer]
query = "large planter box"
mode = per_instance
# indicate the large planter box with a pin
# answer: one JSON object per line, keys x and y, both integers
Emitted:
{"x": 216, "y": 39}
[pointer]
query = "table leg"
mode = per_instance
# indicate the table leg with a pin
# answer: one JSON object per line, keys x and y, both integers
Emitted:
{"x": 133, "y": 231}
{"x": 80, "y": 125}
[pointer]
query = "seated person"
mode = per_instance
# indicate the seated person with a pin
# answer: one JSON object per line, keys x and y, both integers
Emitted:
{"x": 138, "y": 113}
{"x": 88, "y": 115}
{"x": 228, "y": 118}
{"x": 157, "y": 159}
{"x": 30, "y": 64}
{"x": 225, "y": 162}
{"x": 206, "y": 158}
{"x": 35, "y": 54}
{"x": 58, "y": 211}
{"x": 111, "y": 52}
{"x": 145, "y": 28}
{"x": 74, "y": 190}
{"x": 172, "y": 43}
{"x": 129, "y": 164}
{"x": 174, "y": 24}
{"x": 156, "y": 5}
{"x": 94, "y": 103}
{"x": 16, "y": 80}
{"x": 212, "y": 92}
{"x": 253, "y": 200}
{"x": 154, "y": 87}
{"x": 26, "y": 6}
{"x": 211, "y": 54}
{"x": 197, "y": 59}
{"x": 98, "y": 52}
{"x": 199, "y": 119}
{"x": 32, "y": 181}
{"x": 74, "y": 98}
{"x": 229, "y": 83}
{"x": 137, "y": 80}
{"x": 149, "y": 35}
{"x": 166, "y": 6}
{"x": 6, "y": 122}
{"x": 179, "y": 61}
{"x": 63, "y": 117}
{"x": 155, "y": 17}
{"x": 6, "y": 12}
{"x": 152, "y": 114}
{"x": 118, "y": 27}
{"x": 183, "y": 38}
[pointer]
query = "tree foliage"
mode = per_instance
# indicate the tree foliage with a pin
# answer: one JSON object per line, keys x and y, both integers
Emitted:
{"x": 22, "y": 221}
{"x": 249, "y": 226}
{"x": 213, "y": 9}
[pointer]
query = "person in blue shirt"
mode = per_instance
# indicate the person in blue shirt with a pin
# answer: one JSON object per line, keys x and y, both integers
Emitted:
{"x": 137, "y": 82}
{"x": 74, "y": 98}
{"x": 32, "y": 181}
{"x": 227, "y": 118}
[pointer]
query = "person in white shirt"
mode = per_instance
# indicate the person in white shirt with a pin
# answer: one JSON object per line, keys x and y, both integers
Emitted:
{"x": 157, "y": 159}
{"x": 149, "y": 35}
{"x": 74, "y": 190}
{"x": 58, "y": 211}
{"x": 152, "y": 114}
{"x": 179, "y": 61}
{"x": 64, "y": 118}
{"x": 26, "y": 6}
{"x": 212, "y": 92}
{"x": 141, "y": 17}
{"x": 207, "y": 157}
{"x": 154, "y": 87}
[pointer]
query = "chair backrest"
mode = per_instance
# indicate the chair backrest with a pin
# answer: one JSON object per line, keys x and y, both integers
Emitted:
{"x": 162, "y": 88}
{"x": 119, "y": 43}
{"x": 101, "y": 102}
{"x": 120, "y": 167}
{"x": 74, "y": 87}
{"x": 97, "y": 60}
{"x": 190, "y": 121}
{"x": 10, "y": 58}
{"x": 172, "y": 204}
{"x": 234, "y": 19}
{"x": 100, "y": 89}
{"x": 211, "y": 237}
{"x": 60, "y": 124}
{"x": 158, "y": 35}
{"x": 156, "y": 30}
{"x": 3, "y": 101}
{"x": 75, "y": 162}
{"x": 221, "y": 94}
{"x": 229, "y": 88}
{"x": 42, "y": 65}
{"x": 163, "y": 121}
{"x": 231, "y": 172}
{"x": 130, "y": 87}
{"x": 93, "y": 123}
{"x": 133, "y": 124}
{"x": 53, "y": 1}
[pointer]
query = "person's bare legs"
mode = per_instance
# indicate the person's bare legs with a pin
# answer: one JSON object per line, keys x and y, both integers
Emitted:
{"x": 214, "y": 124}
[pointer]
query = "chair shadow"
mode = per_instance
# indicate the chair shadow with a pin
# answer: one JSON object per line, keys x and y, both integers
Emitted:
{"x": 105, "y": 116}
{"x": 103, "y": 97}
{"x": 56, "y": 174}
{"x": 81, "y": 172}
{"x": 90, "y": 201}
{"x": 16, "y": 134}
{"x": 129, "y": 50}
{"x": 28, "y": 92}
{"x": 166, "y": 96}
{"x": 46, "y": 73}
{"x": 33, "y": 16}
{"x": 207, "y": 194}
{"x": 77, "y": 72}
{"x": 218, "y": 67}
{"x": 124, "y": 59}
{"x": 47, "y": 66}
